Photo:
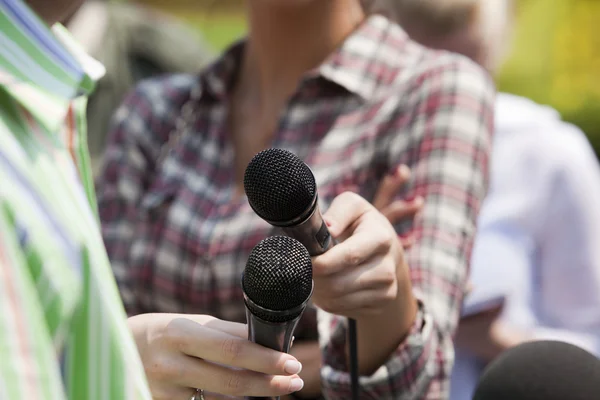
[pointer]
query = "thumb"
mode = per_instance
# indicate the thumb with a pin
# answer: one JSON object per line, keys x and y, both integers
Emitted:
{"x": 344, "y": 211}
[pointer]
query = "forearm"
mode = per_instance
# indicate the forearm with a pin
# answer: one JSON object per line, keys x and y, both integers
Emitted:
{"x": 418, "y": 367}
{"x": 379, "y": 337}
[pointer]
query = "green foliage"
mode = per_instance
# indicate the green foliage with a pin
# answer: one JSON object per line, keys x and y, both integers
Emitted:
{"x": 219, "y": 28}
{"x": 555, "y": 60}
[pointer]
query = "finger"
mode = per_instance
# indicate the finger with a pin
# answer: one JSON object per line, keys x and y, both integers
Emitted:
{"x": 215, "y": 396}
{"x": 364, "y": 244}
{"x": 371, "y": 275}
{"x": 400, "y": 210}
{"x": 390, "y": 186}
{"x": 344, "y": 211}
{"x": 195, "y": 373}
{"x": 217, "y": 346}
{"x": 232, "y": 328}
{"x": 407, "y": 241}
{"x": 168, "y": 392}
{"x": 362, "y": 301}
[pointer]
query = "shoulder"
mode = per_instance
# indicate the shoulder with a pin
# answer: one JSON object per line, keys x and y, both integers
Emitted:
{"x": 417, "y": 70}
{"x": 540, "y": 131}
{"x": 149, "y": 111}
{"x": 533, "y": 141}
{"x": 419, "y": 82}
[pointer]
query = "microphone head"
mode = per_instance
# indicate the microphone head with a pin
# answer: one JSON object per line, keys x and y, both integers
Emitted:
{"x": 544, "y": 370}
{"x": 278, "y": 279}
{"x": 280, "y": 187}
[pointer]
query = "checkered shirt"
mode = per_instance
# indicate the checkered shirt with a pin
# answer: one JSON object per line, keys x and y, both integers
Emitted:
{"x": 178, "y": 237}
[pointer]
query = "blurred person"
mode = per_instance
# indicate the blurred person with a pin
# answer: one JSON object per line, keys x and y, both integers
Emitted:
{"x": 133, "y": 42}
{"x": 178, "y": 228}
{"x": 63, "y": 330}
{"x": 539, "y": 226}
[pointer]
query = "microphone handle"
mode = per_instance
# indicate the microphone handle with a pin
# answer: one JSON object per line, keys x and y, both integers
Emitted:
{"x": 312, "y": 233}
{"x": 276, "y": 336}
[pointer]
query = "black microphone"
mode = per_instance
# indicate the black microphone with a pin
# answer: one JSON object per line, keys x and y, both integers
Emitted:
{"x": 543, "y": 370}
{"x": 277, "y": 284}
{"x": 282, "y": 190}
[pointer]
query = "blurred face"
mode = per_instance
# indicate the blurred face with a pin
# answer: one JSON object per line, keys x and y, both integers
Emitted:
{"x": 52, "y": 11}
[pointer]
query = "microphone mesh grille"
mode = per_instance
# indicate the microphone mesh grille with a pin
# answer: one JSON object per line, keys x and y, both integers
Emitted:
{"x": 542, "y": 370}
{"x": 280, "y": 186}
{"x": 278, "y": 275}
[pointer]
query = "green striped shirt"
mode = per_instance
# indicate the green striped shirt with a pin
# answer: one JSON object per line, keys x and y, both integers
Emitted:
{"x": 63, "y": 331}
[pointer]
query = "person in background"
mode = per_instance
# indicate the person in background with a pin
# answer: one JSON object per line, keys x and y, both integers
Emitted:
{"x": 63, "y": 330}
{"x": 326, "y": 81}
{"x": 133, "y": 42}
{"x": 537, "y": 242}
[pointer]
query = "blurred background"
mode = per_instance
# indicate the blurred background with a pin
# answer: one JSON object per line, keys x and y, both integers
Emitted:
{"x": 555, "y": 55}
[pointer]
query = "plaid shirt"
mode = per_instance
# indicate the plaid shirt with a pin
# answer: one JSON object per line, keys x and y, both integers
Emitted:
{"x": 178, "y": 237}
{"x": 63, "y": 331}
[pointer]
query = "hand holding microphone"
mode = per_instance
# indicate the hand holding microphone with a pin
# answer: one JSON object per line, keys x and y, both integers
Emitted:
{"x": 364, "y": 277}
{"x": 183, "y": 352}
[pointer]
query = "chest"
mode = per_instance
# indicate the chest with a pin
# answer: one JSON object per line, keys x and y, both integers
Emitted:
{"x": 194, "y": 232}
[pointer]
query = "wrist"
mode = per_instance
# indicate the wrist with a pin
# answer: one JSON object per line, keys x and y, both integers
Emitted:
{"x": 379, "y": 336}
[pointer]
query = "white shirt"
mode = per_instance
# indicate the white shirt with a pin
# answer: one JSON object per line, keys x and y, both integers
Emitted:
{"x": 539, "y": 232}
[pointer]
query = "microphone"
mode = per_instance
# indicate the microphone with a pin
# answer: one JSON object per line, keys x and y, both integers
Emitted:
{"x": 543, "y": 370}
{"x": 277, "y": 284}
{"x": 282, "y": 190}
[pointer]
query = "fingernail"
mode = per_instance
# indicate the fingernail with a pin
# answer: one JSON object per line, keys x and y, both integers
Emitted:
{"x": 296, "y": 385}
{"x": 292, "y": 367}
{"x": 403, "y": 170}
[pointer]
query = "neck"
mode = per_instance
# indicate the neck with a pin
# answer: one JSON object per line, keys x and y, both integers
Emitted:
{"x": 54, "y": 11}
{"x": 286, "y": 40}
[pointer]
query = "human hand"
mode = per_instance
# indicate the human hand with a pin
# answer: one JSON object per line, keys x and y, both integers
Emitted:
{"x": 397, "y": 210}
{"x": 485, "y": 335}
{"x": 184, "y": 352}
{"x": 365, "y": 277}
{"x": 359, "y": 276}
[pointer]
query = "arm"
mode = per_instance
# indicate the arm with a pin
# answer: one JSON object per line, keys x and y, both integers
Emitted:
{"x": 29, "y": 368}
{"x": 501, "y": 264}
{"x": 568, "y": 292}
{"x": 450, "y": 127}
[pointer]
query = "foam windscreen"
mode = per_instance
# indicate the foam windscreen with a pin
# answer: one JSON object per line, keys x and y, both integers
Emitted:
{"x": 278, "y": 277}
{"x": 544, "y": 370}
{"x": 280, "y": 187}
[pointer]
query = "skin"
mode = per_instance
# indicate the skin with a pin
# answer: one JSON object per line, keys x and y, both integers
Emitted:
{"x": 52, "y": 11}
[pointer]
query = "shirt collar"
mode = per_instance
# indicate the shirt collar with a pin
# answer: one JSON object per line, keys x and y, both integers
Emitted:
{"x": 42, "y": 69}
{"x": 362, "y": 62}
{"x": 356, "y": 66}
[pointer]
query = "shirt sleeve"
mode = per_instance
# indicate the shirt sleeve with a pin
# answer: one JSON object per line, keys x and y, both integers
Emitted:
{"x": 444, "y": 135}
{"x": 562, "y": 283}
{"x": 29, "y": 368}
{"x": 126, "y": 170}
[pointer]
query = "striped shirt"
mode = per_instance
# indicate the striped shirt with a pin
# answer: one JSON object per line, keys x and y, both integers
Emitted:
{"x": 179, "y": 237}
{"x": 63, "y": 332}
